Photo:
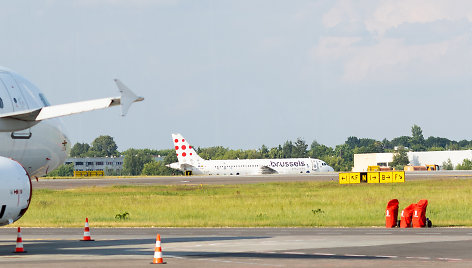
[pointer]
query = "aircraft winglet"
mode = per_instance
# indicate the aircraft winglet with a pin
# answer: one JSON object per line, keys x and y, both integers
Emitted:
{"x": 127, "y": 97}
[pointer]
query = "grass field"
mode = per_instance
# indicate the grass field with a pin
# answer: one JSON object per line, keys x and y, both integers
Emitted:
{"x": 291, "y": 204}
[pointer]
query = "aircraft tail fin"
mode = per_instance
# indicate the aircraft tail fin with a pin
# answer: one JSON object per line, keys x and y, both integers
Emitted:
{"x": 185, "y": 152}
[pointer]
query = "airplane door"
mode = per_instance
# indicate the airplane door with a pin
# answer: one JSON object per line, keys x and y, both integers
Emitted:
{"x": 314, "y": 165}
{"x": 5, "y": 101}
{"x": 16, "y": 100}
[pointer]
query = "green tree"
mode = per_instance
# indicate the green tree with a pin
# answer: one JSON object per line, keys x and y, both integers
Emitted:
{"x": 170, "y": 158}
{"x": 447, "y": 165}
{"x": 157, "y": 168}
{"x": 345, "y": 152}
{"x": 453, "y": 146}
{"x": 400, "y": 158}
{"x": 251, "y": 154}
{"x": 465, "y": 165}
{"x": 436, "y": 149}
{"x": 431, "y": 142}
{"x": 275, "y": 152}
{"x": 417, "y": 134}
{"x": 62, "y": 171}
{"x": 417, "y": 139}
{"x": 352, "y": 142}
{"x": 319, "y": 150}
{"x": 164, "y": 152}
{"x": 463, "y": 144}
{"x": 264, "y": 151}
{"x": 287, "y": 149}
{"x": 403, "y": 141}
{"x": 160, "y": 168}
{"x": 386, "y": 144}
{"x": 214, "y": 153}
{"x": 300, "y": 148}
{"x": 337, "y": 163}
{"x": 103, "y": 146}
{"x": 134, "y": 161}
{"x": 79, "y": 150}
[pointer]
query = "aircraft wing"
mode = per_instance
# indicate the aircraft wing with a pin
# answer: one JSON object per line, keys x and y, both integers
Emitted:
{"x": 268, "y": 170}
{"x": 125, "y": 100}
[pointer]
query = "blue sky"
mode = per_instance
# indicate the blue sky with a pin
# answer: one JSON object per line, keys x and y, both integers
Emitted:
{"x": 246, "y": 73}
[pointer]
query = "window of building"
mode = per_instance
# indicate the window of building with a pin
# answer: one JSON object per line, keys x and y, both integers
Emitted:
{"x": 99, "y": 163}
{"x": 79, "y": 163}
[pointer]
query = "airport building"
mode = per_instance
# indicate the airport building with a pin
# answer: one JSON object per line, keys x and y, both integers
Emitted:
{"x": 110, "y": 165}
{"x": 362, "y": 161}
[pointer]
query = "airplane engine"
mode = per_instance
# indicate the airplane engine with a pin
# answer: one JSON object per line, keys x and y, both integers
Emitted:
{"x": 15, "y": 191}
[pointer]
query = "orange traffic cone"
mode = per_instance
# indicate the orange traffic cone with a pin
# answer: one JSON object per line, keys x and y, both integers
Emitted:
{"x": 19, "y": 243}
{"x": 87, "y": 232}
{"x": 158, "y": 252}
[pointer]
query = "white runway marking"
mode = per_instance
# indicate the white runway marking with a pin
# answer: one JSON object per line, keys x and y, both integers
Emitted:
{"x": 324, "y": 254}
{"x": 449, "y": 259}
{"x": 419, "y": 258}
{"x": 298, "y": 253}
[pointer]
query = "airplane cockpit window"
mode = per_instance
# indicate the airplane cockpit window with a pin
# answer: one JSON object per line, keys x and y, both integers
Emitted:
{"x": 1, "y": 103}
{"x": 44, "y": 100}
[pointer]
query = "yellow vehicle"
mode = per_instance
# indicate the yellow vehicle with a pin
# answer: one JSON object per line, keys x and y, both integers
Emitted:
{"x": 373, "y": 168}
{"x": 432, "y": 167}
{"x": 88, "y": 173}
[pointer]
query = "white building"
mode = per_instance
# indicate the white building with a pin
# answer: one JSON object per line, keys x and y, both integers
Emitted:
{"x": 114, "y": 164}
{"x": 362, "y": 161}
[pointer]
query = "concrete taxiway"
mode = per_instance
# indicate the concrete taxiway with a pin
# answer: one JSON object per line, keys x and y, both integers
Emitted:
{"x": 241, "y": 247}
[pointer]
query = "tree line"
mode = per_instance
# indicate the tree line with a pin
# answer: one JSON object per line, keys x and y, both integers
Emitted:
{"x": 135, "y": 162}
{"x": 340, "y": 157}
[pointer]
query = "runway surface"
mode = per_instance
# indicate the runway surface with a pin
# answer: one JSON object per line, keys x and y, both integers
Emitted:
{"x": 241, "y": 247}
{"x": 333, "y": 176}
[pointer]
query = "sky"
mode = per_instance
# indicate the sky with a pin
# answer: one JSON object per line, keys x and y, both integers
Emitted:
{"x": 245, "y": 73}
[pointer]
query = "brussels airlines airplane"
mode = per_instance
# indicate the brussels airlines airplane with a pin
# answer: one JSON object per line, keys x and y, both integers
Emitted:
{"x": 191, "y": 163}
{"x": 32, "y": 139}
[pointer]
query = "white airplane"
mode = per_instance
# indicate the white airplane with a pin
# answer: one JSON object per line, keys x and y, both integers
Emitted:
{"x": 191, "y": 163}
{"x": 32, "y": 138}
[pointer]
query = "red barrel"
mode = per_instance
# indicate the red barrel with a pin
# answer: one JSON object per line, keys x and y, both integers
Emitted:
{"x": 391, "y": 214}
{"x": 407, "y": 214}
{"x": 419, "y": 214}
